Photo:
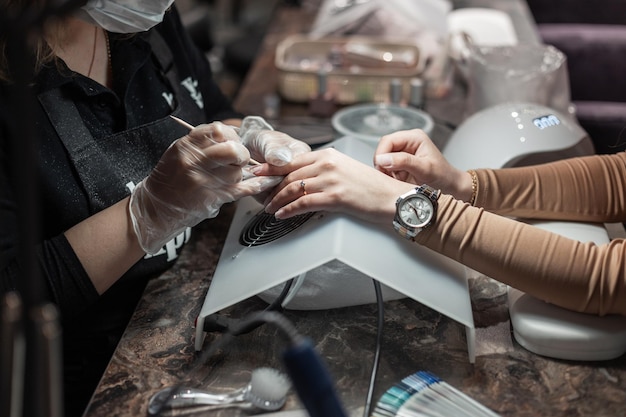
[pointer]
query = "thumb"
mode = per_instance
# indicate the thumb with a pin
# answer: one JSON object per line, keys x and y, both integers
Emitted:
{"x": 396, "y": 161}
{"x": 395, "y": 164}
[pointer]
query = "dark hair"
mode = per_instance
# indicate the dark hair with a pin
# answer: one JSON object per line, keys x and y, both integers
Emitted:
{"x": 42, "y": 51}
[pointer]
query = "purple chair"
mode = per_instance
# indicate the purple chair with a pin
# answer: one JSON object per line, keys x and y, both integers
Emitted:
{"x": 596, "y": 61}
{"x": 603, "y": 12}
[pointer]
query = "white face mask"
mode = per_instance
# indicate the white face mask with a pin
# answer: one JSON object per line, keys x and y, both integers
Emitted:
{"x": 125, "y": 16}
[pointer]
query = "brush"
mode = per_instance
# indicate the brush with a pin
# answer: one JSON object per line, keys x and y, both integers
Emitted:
{"x": 266, "y": 390}
{"x": 425, "y": 395}
{"x": 191, "y": 127}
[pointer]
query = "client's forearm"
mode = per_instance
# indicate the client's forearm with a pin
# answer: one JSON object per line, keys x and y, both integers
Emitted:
{"x": 575, "y": 275}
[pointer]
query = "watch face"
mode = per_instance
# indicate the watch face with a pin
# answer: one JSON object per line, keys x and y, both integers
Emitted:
{"x": 416, "y": 211}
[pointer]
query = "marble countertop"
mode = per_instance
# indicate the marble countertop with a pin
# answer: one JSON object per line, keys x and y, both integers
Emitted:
{"x": 157, "y": 349}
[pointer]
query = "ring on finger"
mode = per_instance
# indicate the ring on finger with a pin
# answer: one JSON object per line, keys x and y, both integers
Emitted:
{"x": 303, "y": 186}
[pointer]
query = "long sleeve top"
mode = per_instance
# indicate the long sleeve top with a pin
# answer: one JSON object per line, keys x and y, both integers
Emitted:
{"x": 580, "y": 276}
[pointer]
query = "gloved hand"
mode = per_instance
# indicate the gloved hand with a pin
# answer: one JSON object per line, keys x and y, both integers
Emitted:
{"x": 267, "y": 144}
{"x": 195, "y": 176}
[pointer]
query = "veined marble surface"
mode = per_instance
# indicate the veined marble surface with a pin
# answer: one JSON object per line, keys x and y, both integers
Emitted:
{"x": 157, "y": 350}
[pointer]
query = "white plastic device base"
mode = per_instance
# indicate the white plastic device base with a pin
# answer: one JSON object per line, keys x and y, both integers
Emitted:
{"x": 555, "y": 332}
{"x": 376, "y": 251}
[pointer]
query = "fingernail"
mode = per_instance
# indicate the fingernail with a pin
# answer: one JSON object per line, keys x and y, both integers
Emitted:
{"x": 279, "y": 213}
{"x": 253, "y": 169}
{"x": 283, "y": 155}
{"x": 384, "y": 160}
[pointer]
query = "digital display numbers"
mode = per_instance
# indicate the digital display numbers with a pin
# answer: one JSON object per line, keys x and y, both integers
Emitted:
{"x": 544, "y": 122}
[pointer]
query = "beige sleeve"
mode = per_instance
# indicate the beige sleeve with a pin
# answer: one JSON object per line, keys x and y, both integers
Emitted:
{"x": 579, "y": 276}
{"x": 591, "y": 189}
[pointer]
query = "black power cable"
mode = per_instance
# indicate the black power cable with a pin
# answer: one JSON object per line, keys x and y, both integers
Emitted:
{"x": 235, "y": 327}
{"x": 219, "y": 323}
{"x": 379, "y": 337}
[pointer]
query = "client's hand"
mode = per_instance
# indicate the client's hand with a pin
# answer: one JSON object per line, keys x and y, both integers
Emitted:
{"x": 411, "y": 156}
{"x": 195, "y": 176}
{"x": 330, "y": 180}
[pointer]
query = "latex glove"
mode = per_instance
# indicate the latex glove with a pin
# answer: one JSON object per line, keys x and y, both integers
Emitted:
{"x": 266, "y": 144}
{"x": 195, "y": 176}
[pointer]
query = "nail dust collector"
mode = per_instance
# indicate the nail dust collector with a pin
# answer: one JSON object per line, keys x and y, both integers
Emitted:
{"x": 518, "y": 134}
{"x": 259, "y": 255}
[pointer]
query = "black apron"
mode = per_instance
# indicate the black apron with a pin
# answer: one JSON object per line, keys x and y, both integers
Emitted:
{"x": 105, "y": 167}
{"x": 126, "y": 156}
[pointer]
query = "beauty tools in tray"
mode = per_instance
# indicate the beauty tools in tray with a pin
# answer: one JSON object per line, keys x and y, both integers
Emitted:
{"x": 425, "y": 395}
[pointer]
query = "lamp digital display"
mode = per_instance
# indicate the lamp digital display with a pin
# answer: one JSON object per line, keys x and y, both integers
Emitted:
{"x": 544, "y": 122}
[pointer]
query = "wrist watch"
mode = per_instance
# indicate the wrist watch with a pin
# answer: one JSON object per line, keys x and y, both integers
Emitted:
{"x": 415, "y": 210}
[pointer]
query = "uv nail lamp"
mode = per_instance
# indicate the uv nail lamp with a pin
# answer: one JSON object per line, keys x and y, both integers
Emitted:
{"x": 518, "y": 134}
{"x": 248, "y": 267}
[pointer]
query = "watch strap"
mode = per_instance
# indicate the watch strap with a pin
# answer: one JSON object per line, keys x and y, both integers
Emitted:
{"x": 430, "y": 192}
{"x": 406, "y": 233}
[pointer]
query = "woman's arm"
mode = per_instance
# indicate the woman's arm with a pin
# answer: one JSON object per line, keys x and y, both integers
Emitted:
{"x": 572, "y": 274}
{"x": 580, "y": 276}
{"x": 589, "y": 189}
{"x": 106, "y": 245}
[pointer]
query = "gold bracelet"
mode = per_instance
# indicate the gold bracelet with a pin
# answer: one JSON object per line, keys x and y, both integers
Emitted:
{"x": 472, "y": 199}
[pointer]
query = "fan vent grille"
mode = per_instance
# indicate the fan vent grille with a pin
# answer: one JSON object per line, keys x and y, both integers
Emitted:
{"x": 263, "y": 228}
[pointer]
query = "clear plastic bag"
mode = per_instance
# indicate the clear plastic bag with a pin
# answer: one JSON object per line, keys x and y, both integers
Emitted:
{"x": 532, "y": 73}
